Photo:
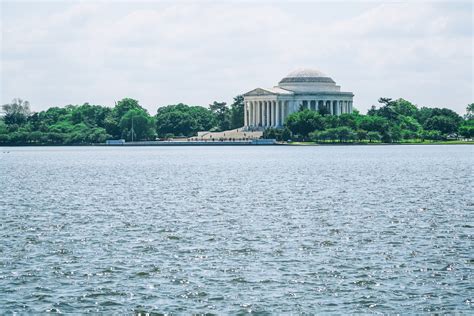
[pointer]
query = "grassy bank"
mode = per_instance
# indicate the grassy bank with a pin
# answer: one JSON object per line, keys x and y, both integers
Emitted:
{"x": 448, "y": 142}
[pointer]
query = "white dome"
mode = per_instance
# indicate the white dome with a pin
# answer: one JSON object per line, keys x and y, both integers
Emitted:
{"x": 306, "y": 73}
{"x": 305, "y": 76}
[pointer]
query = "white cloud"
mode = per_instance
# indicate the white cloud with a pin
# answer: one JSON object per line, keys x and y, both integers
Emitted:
{"x": 162, "y": 53}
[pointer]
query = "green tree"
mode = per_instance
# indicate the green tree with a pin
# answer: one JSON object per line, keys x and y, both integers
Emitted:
{"x": 408, "y": 134}
{"x": 331, "y": 121}
{"x": 286, "y": 134}
{"x": 388, "y": 110}
{"x": 345, "y": 134}
{"x": 432, "y": 135}
{"x": 374, "y": 136}
{"x": 92, "y": 115}
{"x": 469, "y": 112}
{"x": 222, "y": 113}
{"x": 304, "y": 122}
{"x": 237, "y": 112}
{"x": 4, "y": 139}
{"x": 361, "y": 134}
{"x": 181, "y": 119}
{"x": 467, "y": 128}
{"x": 125, "y": 105}
{"x": 113, "y": 118}
{"x": 348, "y": 120}
{"x": 442, "y": 123}
{"x": 272, "y": 133}
{"x": 35, "y": 137}
{"x": 315, "y": 136}
{"x": 374, "y": 124}
{"x": 3, "y": 127}
{"x": 405, "y": 108}
{"x": 16, "y": 112}
{"x": 396, "y": 133}
{"x": 137, "y": 124}
{"x": 409, "y": 123}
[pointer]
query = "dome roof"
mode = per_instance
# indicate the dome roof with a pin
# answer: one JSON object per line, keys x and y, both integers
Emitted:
{"x": 306, "y": 75}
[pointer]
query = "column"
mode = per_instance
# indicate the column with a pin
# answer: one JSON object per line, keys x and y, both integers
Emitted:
{"x": 283, "y": 111}
{"x": 275, "y": 111}
{"x": 259, "y": 112}
{"x": 272, "y": 112}
{"x": 270, "y": 120}
{"x": 257, "y": 106}
{"x": 245, "y": 113}
{"x": 269, "y": 114}
{"x": 252, "y": 113}
{"x": 257, "y": 123}
{"x": 267, "y": 110}
{"x": 274, "y": 108}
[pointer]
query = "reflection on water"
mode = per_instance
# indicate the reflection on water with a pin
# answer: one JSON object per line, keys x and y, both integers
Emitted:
{"x": 236, "y": 229}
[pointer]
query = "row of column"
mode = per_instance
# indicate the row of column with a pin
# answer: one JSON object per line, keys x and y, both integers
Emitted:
{"x": 334, "y": 107}
{"x": 272, "y": 113}
{"x": 265, "y": 113}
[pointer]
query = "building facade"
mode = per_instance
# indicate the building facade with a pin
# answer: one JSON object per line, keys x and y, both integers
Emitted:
{"x": 307, "y": 88}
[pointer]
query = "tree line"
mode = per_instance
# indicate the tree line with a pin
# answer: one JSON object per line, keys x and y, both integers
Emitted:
{"x": 87, "y": 123}
{"x": 393, "y": 121}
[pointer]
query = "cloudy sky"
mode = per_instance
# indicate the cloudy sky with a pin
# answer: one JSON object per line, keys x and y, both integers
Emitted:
{"x": 70, "y": 52}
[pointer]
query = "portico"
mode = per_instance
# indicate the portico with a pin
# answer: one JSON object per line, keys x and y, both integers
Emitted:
{"x": 268, "y": 113}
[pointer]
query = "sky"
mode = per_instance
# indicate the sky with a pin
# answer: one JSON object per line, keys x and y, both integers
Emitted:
{"x": 195, "y": 52}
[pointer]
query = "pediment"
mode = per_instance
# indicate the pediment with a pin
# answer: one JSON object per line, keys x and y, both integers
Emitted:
{"x": 259, "y": 91}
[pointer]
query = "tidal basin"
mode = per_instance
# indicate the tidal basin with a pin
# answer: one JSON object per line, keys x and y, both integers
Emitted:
{"x": 279, "y": 229}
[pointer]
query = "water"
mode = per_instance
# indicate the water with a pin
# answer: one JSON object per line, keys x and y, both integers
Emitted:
{"x": 380, "y": 229}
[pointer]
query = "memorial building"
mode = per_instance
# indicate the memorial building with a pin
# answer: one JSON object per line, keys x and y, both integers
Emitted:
{"x": 306, "y": 88}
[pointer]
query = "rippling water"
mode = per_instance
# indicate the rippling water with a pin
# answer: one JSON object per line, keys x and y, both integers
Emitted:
{"x": 380, "y": 229}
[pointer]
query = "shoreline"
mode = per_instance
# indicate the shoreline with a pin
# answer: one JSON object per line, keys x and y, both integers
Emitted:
{"x": 214, "y": 144}
{"x": 380, "y": 144}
